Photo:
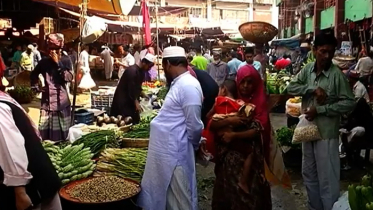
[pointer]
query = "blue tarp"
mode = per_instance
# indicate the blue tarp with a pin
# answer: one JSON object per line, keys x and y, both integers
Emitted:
{"x": 290, "y": 43}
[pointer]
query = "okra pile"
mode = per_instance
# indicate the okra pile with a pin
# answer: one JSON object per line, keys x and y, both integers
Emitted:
{"x": 72, "y": 162}
{"x": 361, "y": 197}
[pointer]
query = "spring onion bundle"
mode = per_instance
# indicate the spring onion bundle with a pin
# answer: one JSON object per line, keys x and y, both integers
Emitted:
{"x": 126, "y": 163}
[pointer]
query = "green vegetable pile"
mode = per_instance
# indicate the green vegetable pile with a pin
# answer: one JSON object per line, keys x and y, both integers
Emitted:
{"x": 126, "y": 163}
{"x": 277, "y": 82}
{"x": 361, "y": 197}
{"x": 72, "y": 162}
{"x": 147, "y": 117}
{"x": 284, "y": 136}
{"x": 22, "y": 94}
{"x": 140, "y": 131}
{"x": 98, "y": 141}
{"x": 162, "y": 93}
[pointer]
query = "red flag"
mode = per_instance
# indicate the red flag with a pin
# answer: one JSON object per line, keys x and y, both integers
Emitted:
{"x": 146, "y": 22}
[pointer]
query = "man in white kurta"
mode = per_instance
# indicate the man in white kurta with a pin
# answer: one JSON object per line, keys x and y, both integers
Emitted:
{"x": 169, "y": 180}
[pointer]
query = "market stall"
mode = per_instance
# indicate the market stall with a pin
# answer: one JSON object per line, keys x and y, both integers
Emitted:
{"x": 107, "y": 157}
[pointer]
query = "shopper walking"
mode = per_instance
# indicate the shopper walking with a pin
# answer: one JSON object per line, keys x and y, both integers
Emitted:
{"x": 326, "y": 95}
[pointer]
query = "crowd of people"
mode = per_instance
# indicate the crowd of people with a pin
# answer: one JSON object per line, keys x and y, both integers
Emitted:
{"x": 247, "y": 158}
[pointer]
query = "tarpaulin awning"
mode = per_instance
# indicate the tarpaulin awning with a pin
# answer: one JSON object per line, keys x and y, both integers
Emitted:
{"x": 124, "y": 26}
{"x": 113, "y": 7}
{"x": 121, "y": 7}
{"x": 291, "y": 43}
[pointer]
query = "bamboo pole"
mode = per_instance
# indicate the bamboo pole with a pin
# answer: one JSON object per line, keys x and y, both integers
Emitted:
{"x": 83, "y": 14}
{"x": 157, "y": 34}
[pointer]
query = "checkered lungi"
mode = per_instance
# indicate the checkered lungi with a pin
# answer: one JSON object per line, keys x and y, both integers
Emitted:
{"x": 54, "y": 125}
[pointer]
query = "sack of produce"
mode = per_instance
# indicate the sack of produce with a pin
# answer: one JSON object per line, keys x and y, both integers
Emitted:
{"x": 293, "y": 107}
{"x": 86, "y": 82}
{"x": 305, "y": 131}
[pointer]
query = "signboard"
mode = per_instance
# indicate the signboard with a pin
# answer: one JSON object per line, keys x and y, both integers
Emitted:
{"x": 5, "y": 23}
{"x": 346, "y": 48}
{"x": 112, "y": 38}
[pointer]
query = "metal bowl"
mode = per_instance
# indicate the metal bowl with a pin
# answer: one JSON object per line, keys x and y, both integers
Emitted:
{"x": 257, "y": 31}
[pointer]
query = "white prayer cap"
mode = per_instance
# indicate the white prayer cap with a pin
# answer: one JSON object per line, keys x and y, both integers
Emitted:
{"x": 150, "y": 57}
{"x": 173, "y": 51}
{"x": 30, "y": 47}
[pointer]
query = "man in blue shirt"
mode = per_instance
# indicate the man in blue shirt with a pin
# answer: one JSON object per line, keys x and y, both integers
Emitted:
{"x": 233, "y": 65}
{"x": 249, "y": 57}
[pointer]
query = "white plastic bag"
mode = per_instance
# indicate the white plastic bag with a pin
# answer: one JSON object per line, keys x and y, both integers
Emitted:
{"x": 87, "y": 82}
{"x": 305, "y": 131}
{"x": 93, "y": 28}
{"x": 293, "y": 109}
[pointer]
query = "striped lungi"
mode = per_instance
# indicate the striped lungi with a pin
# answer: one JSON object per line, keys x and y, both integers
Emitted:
{"x": 54, "y": 125}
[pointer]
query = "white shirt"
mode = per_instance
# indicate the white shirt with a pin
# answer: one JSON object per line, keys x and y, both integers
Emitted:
{"x": 84, "y": 60}
{"x": 364, "y": 66}
{"x": 13, "y": 161}
{"x": 128, "y": 60}
{"x": 137, "y": 58}
{"x": 360, "y": 91}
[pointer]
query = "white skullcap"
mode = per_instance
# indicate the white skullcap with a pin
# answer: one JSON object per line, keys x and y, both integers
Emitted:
{"x": 30, "y": 47}
{"x": 150, "y": 57}
{"x": 173, "y": 51}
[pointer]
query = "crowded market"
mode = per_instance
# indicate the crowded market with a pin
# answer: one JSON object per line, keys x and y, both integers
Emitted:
{"x": 148, "y": 105}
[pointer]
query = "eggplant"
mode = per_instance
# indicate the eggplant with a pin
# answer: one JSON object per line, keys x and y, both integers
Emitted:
{"x": 112, "y": 119}
{"x": 100, "y": 120}
{"x": 119, "y": 117}
{"x": 128, "y": 120}
{"x": 107, "y": 120}
{"x": 116, "y": 121}
{"x": 121, "y": 123}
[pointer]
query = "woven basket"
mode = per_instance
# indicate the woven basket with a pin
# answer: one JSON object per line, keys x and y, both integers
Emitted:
{"x": 23, "y": 79}
{"x": 135, "y": 142}
{"x": 258, "y": 32}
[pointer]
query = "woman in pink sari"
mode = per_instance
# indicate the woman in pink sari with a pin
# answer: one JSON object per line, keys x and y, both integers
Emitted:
{"x": 267, "y": 167}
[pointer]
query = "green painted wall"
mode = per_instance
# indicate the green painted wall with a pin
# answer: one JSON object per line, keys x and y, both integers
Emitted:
{"x": 278, "y": 2}
{"x": 356, "y": 10}
{"x": 308, "y": 22}
{"x": 288, "y": 30}
{"x": 327, "y": 18}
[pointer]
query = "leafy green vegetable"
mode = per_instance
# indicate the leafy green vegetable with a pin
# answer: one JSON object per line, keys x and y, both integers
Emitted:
{"x": 284, "y": 136}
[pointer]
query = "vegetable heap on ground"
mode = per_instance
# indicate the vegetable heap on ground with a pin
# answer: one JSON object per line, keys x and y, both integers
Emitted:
{"x": 72, "y": 162}
{"x": 126, "y": 163}
{"x": 140, "y": 131}
{"x": 98, "y": 141}
{"x": 284, "y": 137}
{"x": 361, "y": 197}
{"x": 104, "y": 189}
{"x": 162, "y": 93}
{"x": 277, "y": 82}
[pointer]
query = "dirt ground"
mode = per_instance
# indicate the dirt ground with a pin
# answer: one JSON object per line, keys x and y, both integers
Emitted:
{"x": 282, "y": 199}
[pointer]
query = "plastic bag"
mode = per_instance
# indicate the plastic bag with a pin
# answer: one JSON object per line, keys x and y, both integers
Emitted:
{"x": 293, "y": 109}
{"x": 305, "y": 131}
{"x": 87, "y": 82}
{"x": 93, "y": 28}
{"x": 204, "y": 161}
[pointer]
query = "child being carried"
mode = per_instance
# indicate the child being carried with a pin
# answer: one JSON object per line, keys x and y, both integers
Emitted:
{"x": 225, "y": 106}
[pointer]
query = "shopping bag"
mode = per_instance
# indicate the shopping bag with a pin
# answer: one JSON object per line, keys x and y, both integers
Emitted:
{"x": 305, "y": 131}
{"x": 87, "y": 82}
{"x": 293, "y": 109}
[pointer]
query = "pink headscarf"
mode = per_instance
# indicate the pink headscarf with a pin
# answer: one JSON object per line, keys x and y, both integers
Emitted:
{"x": 275, "y": 171}
{"x": 191, "y": 71}
{"x": 259, "y": 99}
